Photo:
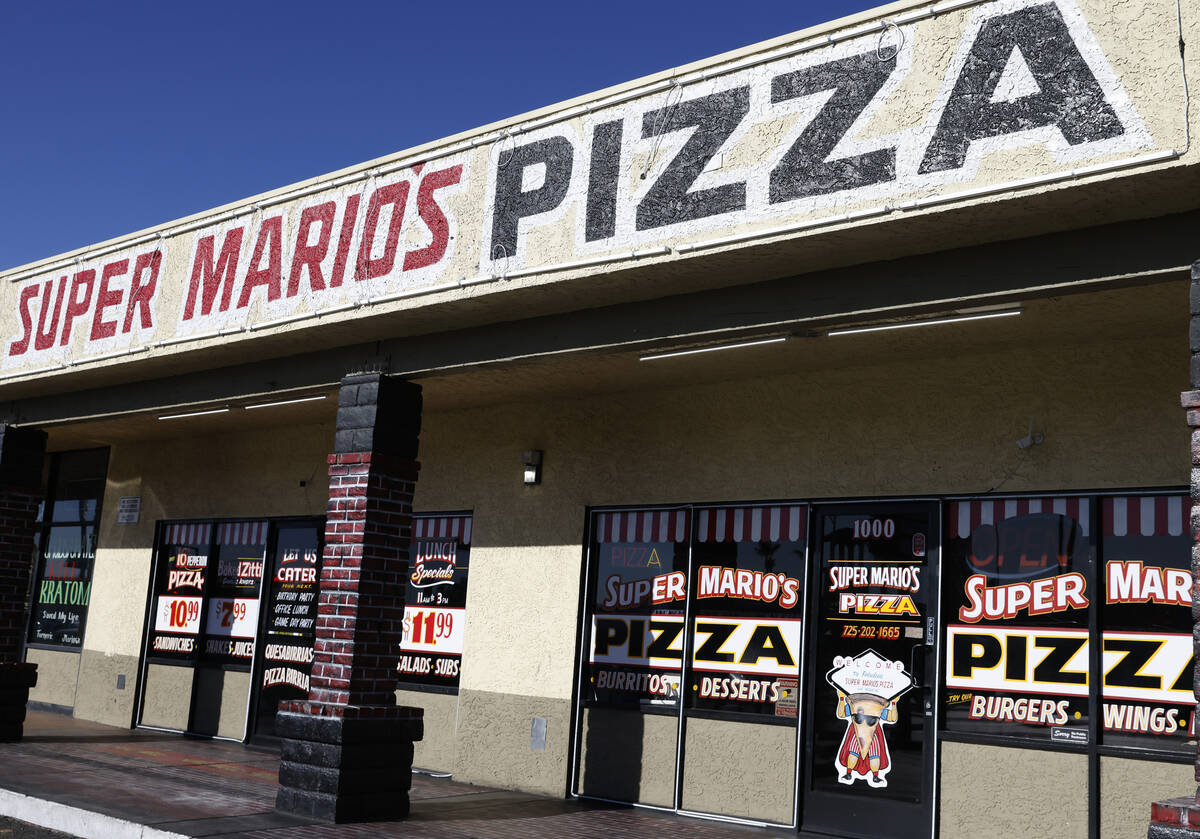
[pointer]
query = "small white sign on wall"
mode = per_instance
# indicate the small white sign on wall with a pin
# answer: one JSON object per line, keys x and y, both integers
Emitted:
{"x": 129, "y": 509}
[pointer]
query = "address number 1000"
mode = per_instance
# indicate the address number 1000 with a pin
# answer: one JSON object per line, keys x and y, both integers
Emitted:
{"x": 874, "y": 528}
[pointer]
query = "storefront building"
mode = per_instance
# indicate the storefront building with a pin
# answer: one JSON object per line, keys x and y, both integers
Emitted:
{"x": 799, "y": 434}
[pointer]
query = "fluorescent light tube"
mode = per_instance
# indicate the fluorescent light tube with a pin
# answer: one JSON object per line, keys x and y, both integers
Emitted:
{"x": 695, "y": 350}
{"x": 285, "y": 402}
{"x": 853, "y": 330}
{"x": 195, "y": 414}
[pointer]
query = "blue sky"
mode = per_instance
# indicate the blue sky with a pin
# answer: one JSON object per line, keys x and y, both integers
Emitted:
{"x": 122, "y": 115}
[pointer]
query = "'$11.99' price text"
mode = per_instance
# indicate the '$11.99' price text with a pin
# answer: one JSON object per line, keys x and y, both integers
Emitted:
{"x": 427, "y": 627}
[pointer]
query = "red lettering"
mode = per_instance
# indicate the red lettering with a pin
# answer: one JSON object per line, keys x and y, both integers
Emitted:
{"x": 106, "y": 299}
{"x": 434, "y": 218}
{"x": 344, "y": 238}
{"x": 396, "y": 195}
{"x": 19, "y": 346}
{"x": 76, "y": 306}
{"x": 142, "y": 292}
{"x": 214, "y": 278}
{"x": 311, "y": 255}
{"x": 44, "y": 338}
{"x": 270, "y": 239}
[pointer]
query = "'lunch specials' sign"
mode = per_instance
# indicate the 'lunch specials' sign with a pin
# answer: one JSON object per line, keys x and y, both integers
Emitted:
{"x": 854, "y": 126}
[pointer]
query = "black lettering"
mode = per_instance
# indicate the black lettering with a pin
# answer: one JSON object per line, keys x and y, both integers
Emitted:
{"x": 660, "y": 647}
{"x": 601, "y": 218}
{"x": 610, "y": 632}
{"x": 637, "y": 638}
{"x": 805, "y": 169}
{"x": 1069, "y": 97}
{"x": 718, "y": 634}
{"x": 715, "y": 117}
{"x": 512, "y": 203}
{"x": 1015, "y": 658}
{"x": 1186, "y": 676}
{"x": 767, "y": 641}
{"x": 1061, "y": 651}
{"x": 971, "y": 651}
{"x": 1124, "y": 674}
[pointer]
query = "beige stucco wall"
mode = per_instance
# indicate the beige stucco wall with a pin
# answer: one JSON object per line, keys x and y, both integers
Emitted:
{"x": 909, "y": 418}
{"x": 58, "y": 673}
{"x": 1127, "y": 787}
{"x": 168, "y": 699}
{"x": 1015, "y": 793}
{"x": 628, "y": 756}
{"x": 740, "y": 769}
{"x": 906, "y": 415}
{"x": 254, "y": 473}
{"x": 436, "y": 750}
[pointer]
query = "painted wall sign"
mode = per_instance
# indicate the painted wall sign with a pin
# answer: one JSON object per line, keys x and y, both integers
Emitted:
{"x": 971, "y": 98}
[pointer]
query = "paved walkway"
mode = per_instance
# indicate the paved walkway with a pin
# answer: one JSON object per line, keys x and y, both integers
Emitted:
{"x": 110, "y": 783}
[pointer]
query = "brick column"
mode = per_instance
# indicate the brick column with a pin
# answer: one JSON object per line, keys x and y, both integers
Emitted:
{"x": 1176, "y": 818}
{"x": 22, "y": 451}
{"x": 348, "y": 748}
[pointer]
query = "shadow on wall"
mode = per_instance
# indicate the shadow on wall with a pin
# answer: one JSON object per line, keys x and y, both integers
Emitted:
{"x": 612, "y": 754}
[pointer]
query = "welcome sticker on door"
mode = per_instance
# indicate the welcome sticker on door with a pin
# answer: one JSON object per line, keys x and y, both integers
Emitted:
{"x": 867, "y": 686}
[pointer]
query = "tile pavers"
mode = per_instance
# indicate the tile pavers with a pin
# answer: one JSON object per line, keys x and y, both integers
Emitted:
{"x": 205, "y": 788}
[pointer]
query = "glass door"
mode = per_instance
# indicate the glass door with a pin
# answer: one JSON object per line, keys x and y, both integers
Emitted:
{"x": 869, "y": 712}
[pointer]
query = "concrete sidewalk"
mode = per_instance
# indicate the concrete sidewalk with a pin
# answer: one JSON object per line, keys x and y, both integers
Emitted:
{"x": 110, "y": 783}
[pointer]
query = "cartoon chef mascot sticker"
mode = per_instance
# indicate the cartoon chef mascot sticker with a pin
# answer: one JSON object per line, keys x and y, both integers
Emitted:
{"x": 867, "y": 688}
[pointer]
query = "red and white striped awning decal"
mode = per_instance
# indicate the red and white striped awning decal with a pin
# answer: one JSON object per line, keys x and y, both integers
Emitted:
{"x": 751, "y": 524}
{"x": 642, "y": 526}
{"x": 1146, "y": 515}
{"x": 242, "y": 533}
{"x": 965, "y": 516}
{"x": 443, "y": 527}
{"x": 188, "y": 533}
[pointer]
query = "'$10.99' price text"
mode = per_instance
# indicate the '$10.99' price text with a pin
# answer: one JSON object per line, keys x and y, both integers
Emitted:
{"x": 180, "y": 614}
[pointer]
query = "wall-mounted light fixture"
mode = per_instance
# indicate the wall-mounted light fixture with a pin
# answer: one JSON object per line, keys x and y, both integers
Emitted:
{"x": 906, "y": 324}
{"x": 531, "y": 462}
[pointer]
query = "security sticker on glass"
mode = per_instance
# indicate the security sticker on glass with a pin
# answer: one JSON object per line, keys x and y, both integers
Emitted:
{"x": 867, "y": 687}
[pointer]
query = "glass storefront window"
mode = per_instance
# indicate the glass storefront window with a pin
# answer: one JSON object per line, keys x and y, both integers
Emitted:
{"x": 748, "y": 598}
{"x": 637, "y": 597}
{"x": 1016, "y": 606}
{"x": 435, "y": 601}
{"x": 66, "y": 546}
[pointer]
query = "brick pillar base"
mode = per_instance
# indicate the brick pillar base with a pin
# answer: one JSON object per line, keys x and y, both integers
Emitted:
{"x": 22, "y": 451}
{"x": 347, "y": 749}
{"x": 1176, "y": 818}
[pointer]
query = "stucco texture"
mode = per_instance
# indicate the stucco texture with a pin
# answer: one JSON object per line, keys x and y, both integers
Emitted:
{"x": 740, "y": 769}
{"x": 436, "y": 750}
{"x": 248, "y": 474}
{"x": 929, "y": 412}
{"x": 58, "y": 672}
{"x": 628, "y": 756}
{"x": 1127, "y": 787}
{"x": 1014, "y": 793}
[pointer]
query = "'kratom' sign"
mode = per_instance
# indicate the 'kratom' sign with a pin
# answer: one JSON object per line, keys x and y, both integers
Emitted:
{"x": 984, "y": 95}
